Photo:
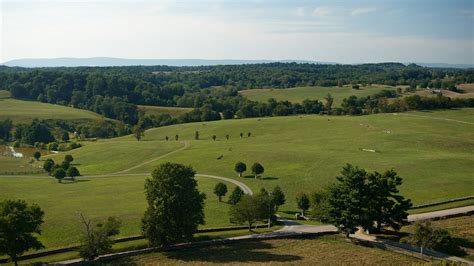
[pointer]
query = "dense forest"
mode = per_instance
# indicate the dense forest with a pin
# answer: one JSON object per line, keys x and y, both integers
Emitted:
{"x": 115, "y": 92}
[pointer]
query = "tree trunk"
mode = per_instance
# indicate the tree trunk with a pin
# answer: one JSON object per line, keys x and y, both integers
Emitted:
{"x": 219, "y": 198}
{"x": 240, "y": 174}
{"x": 255, "y": 176}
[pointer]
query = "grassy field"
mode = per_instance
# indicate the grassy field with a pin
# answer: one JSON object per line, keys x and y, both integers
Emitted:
{"x": 97, "y": 198}
{"x": 461, "y": 228}
{"x": 300, "y": 153}
{"x": 325, "y": 250}
{"x": 24, "y": 111}
{"x": 157, "y": 110}
{"x": 299, "y": 94}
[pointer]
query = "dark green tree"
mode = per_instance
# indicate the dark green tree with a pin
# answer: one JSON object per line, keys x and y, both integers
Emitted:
{"x": 176, "y": 137}
{"x": 348, "y": 199}
{"x": 257, "y": 169}
{"x": 214, "y": 137}
{"x": 236, "y": 195}
{"x": 227, "y": 137}
{"x": 65, "y": 165}
{"x": 249, "y": 134}
{"x": 65, "y": 136}
{"x": 48, "y": 165}
{"x": 97, "y": 240}
{"x": 72, "y": 172}
{"x": 241, "y": 135}
{"x": 220, "y": 190}
{"x": 138, "y": 131}
{"x": 59, "y": 174}
{"x": 329, "y": 101}
{"x": 385, "y": 205}
{"x": 320, "y": 205}
{"x": 240, "y": 167}
{"x": 196, "y": 135}
{"x": 247, "y": 211}
{"x": 303, "y": 203}
{"x": 19, "y": 225}
{"x": 175, "y": 206}
{"x": 37, "y": 155}
{"x": 278, "y": 197}
{"x": 68, "y": 158}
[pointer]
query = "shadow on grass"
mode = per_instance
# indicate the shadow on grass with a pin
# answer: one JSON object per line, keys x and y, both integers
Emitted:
{"x": 269, "y": 178}
{"x": 249, "y": 251}
{"x": 260, "y": 178}
{"x": 70, "y": 181}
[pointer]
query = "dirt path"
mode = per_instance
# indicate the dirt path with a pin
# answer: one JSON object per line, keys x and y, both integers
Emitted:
{"x": 437, "y": 118}
{"x": 186, "y": 145}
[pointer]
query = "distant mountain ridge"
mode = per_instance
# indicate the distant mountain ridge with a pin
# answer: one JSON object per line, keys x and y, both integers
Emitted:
{"x": 112, "y": 61}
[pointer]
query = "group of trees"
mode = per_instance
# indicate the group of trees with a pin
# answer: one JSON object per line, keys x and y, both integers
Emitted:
{"x": 257, "y": 169}
{"x": 115, "y": 92}
{"x": 360, "y": 198}
{"x": 60, "y": 171}
{"x": 6, "y": 127}
{"x": 252, "y": 208}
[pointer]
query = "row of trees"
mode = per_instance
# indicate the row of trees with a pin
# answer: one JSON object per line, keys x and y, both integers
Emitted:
{"x": 257, "y": 169}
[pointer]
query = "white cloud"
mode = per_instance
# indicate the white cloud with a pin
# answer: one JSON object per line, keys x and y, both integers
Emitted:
{"x": 362, "y": 11}
{"x": 322, "y": 11}
{"x": 299, "y": 12}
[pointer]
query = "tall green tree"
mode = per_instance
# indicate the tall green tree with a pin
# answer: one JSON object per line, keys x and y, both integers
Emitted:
{"x": 19, "y": 227}
{"x": 240, "y": 167}
{"x": 248, "y": 210}
{"x": 68, "y": 158}
{"x": 196, "y": 135}
{"x": 48, "y": 165}
{"x": 303, "y": 203}
{"x": 37, "y": 155}
{"x": 278, "y": 197}
{"x": 220, "y": 190}
{"x": 59, "y": 174}
{"x": 385, "y": 205}
{"x": 138, "y": 132}
{"x": 320, "y": 205}
{"x": 72, "y": 172}
{"x": 236, "y": 195}
{"x": 175, "y": 206}
{"x": 257, "y": 169}
{"x": 348, "y": 199}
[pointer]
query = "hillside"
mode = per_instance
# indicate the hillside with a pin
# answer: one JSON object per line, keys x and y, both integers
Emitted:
{"x": 157, "y": 110}
{"x": 298, "y": 94}
{"x": 24, "y": 111}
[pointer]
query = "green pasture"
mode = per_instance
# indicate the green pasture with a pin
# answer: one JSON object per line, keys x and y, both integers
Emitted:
{"x": 24, "y": 111}
{"x": 298, "y": 94}
{"x": 97, "y": 198}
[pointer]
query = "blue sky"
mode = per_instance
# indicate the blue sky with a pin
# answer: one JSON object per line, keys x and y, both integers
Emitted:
{"x": 336, "y": 31}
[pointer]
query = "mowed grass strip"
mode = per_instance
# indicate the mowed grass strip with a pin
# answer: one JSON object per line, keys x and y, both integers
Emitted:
{"x": 20, "y": 111}
{"x": 98, "y": 198}
{"x": 157, "y": 110}
{"x": 298, "y": 94}
{"x": 324, "y": 250}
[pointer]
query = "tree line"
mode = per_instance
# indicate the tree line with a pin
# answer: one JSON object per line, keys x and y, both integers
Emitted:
{"x": 115, "y": 92}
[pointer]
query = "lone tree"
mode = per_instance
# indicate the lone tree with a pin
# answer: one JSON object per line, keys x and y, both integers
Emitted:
{"x": 241, "y": 135}
{"x": 249, "y": 134}
{"x": 19, "y": 224}
{"x": 72, "y": 172}
{"x": 59, "y": 174}
{"x": 48, "y": 165}
{"x": 138, "y": 132}
{"x": 97, "y": 240}
{"x": 220, "y": 190}
{"x": 68, "y": 158}
{"x": 176, "y": 137}
{"x": 303, "y": 203}
{"x": 328, "y": 104}
{"x": 257, "y": 169}
{"x": 175, "y": 206}
{"x": 278, "y": 197}
{"x": 37, "y": 155}
{"x": 240, "y": 167}
{"x": 196, "y": 135}
{"x": 214, "y": 137}
{"x": 227, "y": 137}
{"x": 166, "y": 138}
{"x": 236, "y": 195}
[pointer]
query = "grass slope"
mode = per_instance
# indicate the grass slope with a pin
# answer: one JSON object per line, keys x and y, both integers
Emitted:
{"x": 299, "y": 94}
{"x": 325, "y": 250}
{"x": 97, "y": 198}
{"x": 157, "y": 110}
{"x": 24, "y": 111}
